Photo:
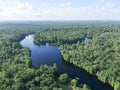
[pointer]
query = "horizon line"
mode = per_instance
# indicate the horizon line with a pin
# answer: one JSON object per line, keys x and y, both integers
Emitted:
{"x": 51, "y": 20}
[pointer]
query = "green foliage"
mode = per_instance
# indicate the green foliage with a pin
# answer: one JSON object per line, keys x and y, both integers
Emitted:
{"x": 74, "y": 82}
{"x": 100, "y": 56}
{"x": 63, "y": 78}
{"x": 16, "y": 72}
{"x": 85, "y": 87}
{"x": 117, "y": 86}
{"x": 28, "y": 63}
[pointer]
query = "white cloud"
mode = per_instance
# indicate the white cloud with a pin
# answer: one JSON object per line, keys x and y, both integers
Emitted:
{"x": 68, "y": 4}
{"x": 68, "y": 12}
{"x": 16, "y": 10}
{"x": 107, "y": 10}
{"x": 65, "y": 4}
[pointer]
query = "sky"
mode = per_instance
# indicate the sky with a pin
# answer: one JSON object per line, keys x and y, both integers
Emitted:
{"x": 45, "y": 10}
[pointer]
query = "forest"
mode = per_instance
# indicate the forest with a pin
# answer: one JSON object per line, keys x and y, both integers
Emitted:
{"x": 16, "y": 70}
{"x": 100, "y": 56}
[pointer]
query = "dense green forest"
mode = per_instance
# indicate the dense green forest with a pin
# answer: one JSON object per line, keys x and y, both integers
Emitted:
{"x": 16, "y": 71}
{"x": 100, "y": 56}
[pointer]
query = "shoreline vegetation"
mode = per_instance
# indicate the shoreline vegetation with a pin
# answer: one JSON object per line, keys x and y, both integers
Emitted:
{"x": 99, "y": 57}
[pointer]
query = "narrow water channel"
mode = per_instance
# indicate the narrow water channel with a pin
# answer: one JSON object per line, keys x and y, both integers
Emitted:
{"x": 46, "y": 54}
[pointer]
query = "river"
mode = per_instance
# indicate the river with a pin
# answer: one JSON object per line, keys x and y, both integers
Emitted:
{"x": 47, "y": 54}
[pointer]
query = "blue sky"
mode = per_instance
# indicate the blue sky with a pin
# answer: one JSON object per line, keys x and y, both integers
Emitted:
{"x": 59, "y": 10}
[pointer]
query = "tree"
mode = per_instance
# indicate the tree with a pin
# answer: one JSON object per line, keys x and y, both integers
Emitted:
{"x": 29, "y": 63}
{"x": 85, "y": 87}
{"x": 117, "y": 86}
{"x": 74, "y": 82}
{"x": 63, "y": 78}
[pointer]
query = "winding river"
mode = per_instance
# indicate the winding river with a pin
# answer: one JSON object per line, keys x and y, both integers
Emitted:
{"x": 47, "y": 54}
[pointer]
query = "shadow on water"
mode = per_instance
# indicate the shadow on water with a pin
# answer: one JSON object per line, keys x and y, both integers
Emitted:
{"x": 46, "y": 54}
{"x": 86, "y": 78}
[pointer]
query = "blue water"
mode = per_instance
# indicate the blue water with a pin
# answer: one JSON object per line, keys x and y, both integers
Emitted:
{"x": 86, "y": 40}
{"x": 47, "y": 54}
